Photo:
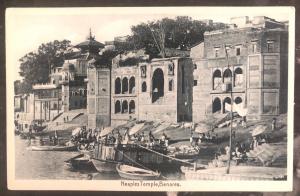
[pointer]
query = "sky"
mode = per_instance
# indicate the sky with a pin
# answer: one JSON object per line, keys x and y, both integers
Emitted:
{"x": 27, "y": 28}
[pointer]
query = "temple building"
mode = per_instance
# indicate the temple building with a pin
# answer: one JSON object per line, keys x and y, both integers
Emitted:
{"x": 66, "y": 89}
{"x": 249, "y": 60}
{"x": 134, "y": 87}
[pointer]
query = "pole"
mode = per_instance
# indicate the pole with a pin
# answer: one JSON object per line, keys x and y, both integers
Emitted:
{"x": 231, "y": 115}
{"x": 158, "y": 47}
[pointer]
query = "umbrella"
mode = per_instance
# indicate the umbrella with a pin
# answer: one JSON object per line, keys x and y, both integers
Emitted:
{"x": 136, "y": 128}
{"x": 76, "y": 131}
{"x": 106, "y": 131}
{"x": 202, "y": 128}
{"x": 259, "y": 130}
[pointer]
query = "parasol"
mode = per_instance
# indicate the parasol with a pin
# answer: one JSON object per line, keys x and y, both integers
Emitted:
{"x": 76, "y": 131}
{"x": 106, "y": 131}
{"x": 136, "y": 128}
{"x": 259, "y": 130}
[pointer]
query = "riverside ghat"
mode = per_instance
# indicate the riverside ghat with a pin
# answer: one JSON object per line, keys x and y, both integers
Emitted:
{"x": 155, "y": 151}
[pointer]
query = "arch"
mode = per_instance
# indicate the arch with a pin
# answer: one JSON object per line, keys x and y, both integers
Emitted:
{"x": 132, "y": 85}
{"x": 238, "y": 100}
{"x": 118, "y": 86}
{"x": 124, "y": 106}
{"x": 124, "y": 85}
{"x": 131, "y": 107}
{"x": 216, "y": 107}
{"x": 157, "y": 84}
{"x": 217, "y": 79}
{"x": 227, "y": 76}
{"x": 226, "y": 100}
{"x": 238, "y": 77}
{"x": 144, "y": 87}
{"x": 117, "y": 107}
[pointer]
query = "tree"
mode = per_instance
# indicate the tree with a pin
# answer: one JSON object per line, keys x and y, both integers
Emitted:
{"x": 181, "y": 33}
{"x": 36, "y": 66}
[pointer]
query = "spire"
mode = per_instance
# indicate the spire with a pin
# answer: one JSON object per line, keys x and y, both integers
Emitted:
{"x": 91, "y": 37}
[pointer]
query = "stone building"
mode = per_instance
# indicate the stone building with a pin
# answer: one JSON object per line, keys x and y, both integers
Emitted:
{"x": 165, "y": 90}
{"x": 99, "y": 94}
{"x": 250, "y": 60}
{"x": 74, "y": 88}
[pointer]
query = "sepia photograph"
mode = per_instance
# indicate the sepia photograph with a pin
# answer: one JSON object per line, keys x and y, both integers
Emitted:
{"x": 150, "y": 98}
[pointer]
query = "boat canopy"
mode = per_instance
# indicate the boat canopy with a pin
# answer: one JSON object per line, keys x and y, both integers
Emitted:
{"x": 259, "y": 130}
{"x": 202, "y": 128}
{"x": 162, "y": 127}
{"x": 106, "y": 131}
{"x": 136, "y": 128}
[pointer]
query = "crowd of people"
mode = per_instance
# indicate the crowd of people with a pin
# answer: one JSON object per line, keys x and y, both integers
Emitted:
{"x": 86, "y": 138}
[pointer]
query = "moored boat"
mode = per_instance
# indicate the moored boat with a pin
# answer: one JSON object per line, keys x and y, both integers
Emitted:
{"x": 106, "y": 156}
{"x": 237, "y": 173}
{"x": 53, "y": 148}
{"x": 136, "y": 173}
{"x": 80, "y": 162}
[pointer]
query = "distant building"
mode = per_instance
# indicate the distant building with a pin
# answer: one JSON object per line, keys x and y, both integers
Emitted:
{"x": 66, "y": 90}
{"x": 257, "y": 63}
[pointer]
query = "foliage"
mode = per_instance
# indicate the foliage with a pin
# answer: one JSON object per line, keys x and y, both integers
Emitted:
{"x": 35, "y": 67}
{"x": 181, "y": 32}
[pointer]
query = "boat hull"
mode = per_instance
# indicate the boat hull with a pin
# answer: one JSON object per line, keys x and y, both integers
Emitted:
{"x": 53, "y": 148}
{"x": 105, "y": 166}
{"x": 80, "y": 162}
{"x": 136, "y": 173}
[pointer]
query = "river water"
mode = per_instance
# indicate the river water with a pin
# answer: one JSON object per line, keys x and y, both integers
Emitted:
{"x": 49, "y": 165}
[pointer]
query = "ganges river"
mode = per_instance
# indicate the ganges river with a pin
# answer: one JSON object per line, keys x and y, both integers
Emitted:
{"x": 49, "y": 165}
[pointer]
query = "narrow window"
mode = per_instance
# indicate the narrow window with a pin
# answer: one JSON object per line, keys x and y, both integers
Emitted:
{"x": 217, "y": 52}
{"x": 238, "y": 51}
{"x": 170, "y": 85}
{"x": 144, "y": 87}
{"x": 195, "y": 82}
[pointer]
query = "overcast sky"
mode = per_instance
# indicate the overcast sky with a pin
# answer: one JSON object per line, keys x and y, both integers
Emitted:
{"x": 28, "y": 28}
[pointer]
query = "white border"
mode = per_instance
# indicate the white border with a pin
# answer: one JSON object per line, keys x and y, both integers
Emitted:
{"x": 115, "y": 185}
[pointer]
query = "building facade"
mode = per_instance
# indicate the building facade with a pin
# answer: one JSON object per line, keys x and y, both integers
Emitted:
{"x": 250, "y": 61}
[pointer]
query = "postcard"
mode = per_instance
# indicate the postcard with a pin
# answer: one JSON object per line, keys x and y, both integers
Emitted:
{"x": 150, "y": 98}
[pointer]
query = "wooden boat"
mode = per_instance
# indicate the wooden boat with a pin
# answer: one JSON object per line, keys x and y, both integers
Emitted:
{"x": 135, "y": 173}
{"x": 107, "y": 157}
{"x": 238, "y": 173}
{"x": 53, "y": 148}
{"x": 80, "y": 162}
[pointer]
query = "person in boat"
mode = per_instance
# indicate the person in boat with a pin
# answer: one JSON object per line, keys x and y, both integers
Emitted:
{"x": 273, "y": 124}
{"x": 151, "y": 137}
{"x": 191, "y": 139}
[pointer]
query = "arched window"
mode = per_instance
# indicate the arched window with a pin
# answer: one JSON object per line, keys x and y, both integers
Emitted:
{"x": 118, "y": 86}
{"x": 157, "y": 85}
{"x": 125, "y": 85}
{"x": 238, "y": 77}
{"x": 216, "y": 107}
{"x": 171, "y": 85}
{"x": 132, "y": 85}
{"x": 117, "y": 107}
{"x": 124, "y": 106}
{"x": 131, "y": 107}
{"x": 144, "y": 87}
{"x": 228, "y": 101}
{"x": 217, "y": 80}
{"x": 227, "y": 76}
{"x": 238, "y": 100}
